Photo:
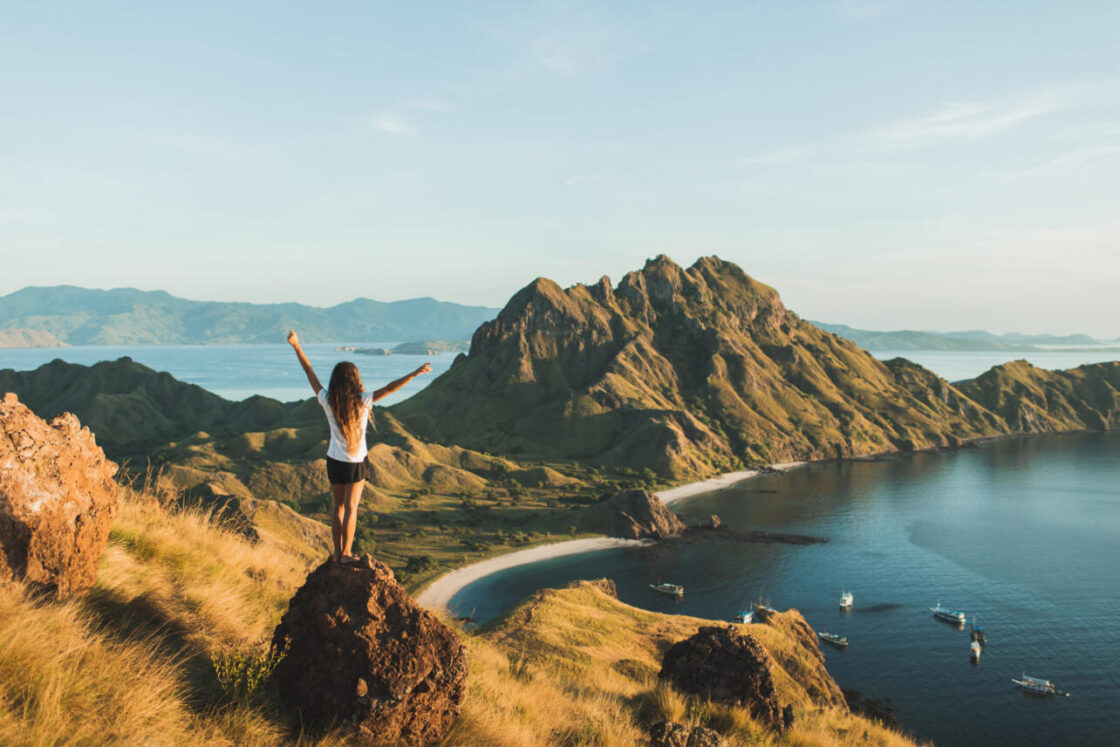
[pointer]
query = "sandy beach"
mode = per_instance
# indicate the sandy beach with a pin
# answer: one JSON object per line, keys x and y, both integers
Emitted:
{"x": 672, "y": 495}
{"x": 439, "y": 593}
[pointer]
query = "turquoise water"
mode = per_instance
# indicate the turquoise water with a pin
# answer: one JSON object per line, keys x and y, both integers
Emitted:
{"x": 239, "y": 371}
{"x": 1022, "y": 533}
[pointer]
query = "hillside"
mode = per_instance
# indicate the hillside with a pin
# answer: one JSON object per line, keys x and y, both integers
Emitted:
{"x": 134, "y": 662}
{"x": 127, "y": 316}
{"x": 683, "y": 372}
{"x": 28, "y": 338}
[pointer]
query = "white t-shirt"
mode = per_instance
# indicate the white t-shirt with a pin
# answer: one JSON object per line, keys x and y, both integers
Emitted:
{"x": 337, "y": 448}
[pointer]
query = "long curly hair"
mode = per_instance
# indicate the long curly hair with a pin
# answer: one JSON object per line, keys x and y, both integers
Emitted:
{"x": 344, "y": 395}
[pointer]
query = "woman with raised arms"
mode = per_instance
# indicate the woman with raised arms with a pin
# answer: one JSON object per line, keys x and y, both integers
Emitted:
{"x": 348, "y": 407}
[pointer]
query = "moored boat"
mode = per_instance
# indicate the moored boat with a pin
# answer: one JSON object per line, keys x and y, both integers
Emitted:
{"x": 836, "y": 640}
{"x": 975, "y": 650}
{"x": 977, "y": 633}
{"x": 673, "y": 590}
{"x": 1035, "y": 685}
{"x": 846, "y": 600}
{"x": 942, "y": 613}
{"x": 744, "y": 616}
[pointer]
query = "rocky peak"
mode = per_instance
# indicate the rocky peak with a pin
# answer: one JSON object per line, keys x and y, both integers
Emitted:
{"x": 57, "y": 500}
{"x": 363, "y": 655}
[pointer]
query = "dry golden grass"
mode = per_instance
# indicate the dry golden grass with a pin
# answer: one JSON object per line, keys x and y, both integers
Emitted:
{"x": 130, "y": 664}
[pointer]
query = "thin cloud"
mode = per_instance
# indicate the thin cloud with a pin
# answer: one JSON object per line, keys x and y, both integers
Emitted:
{"x": 960, "y": 121}
{"x": 782, "y": 155}
{"x": 390, "y": 124}
{"x": 1072, "y": 160}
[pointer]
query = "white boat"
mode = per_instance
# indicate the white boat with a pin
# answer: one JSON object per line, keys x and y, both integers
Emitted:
{"x": 672, "y": 590}
{"x": 846, "y": 600}
{"x": 1035, "y": 685}
{"x": 941, "y": 613}
{"x": 976, "y": 650}
{"x": 836, "y": 640}
{"x": 745, "y": 617}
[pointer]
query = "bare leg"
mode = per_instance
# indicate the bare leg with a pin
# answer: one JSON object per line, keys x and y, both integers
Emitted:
{"x": 338, "y": 511}
{"x": 350, "y": 515}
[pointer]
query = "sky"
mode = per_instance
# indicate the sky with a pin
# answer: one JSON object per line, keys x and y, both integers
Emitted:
{"x": 883, "y": 164}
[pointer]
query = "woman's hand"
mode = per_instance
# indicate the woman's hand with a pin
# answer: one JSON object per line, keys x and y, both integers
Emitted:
{"x": 426, "y": 368}
{"x": 293, "y": 338}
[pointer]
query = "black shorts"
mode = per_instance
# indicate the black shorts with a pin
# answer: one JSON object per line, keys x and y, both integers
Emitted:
{"x": 345, "y": 473}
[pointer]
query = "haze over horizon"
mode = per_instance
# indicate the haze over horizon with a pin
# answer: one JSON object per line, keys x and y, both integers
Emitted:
{"x": 885, "y": 165}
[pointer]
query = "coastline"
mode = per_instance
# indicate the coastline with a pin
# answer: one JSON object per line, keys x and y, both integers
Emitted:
{"x": 437, "y": 594}
{"x": 727, "y": 479}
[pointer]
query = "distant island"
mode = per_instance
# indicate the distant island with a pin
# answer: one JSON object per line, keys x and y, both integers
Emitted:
{"x": 422, "y": 347}
{"x": 967, "y": 341}
{"x": 127, "y": 316}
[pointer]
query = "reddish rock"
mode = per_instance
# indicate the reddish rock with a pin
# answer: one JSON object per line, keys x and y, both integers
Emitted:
{"x": 728, "y": 666}
{"x": 362, "y": 654}
{"x": 57, "y": 499}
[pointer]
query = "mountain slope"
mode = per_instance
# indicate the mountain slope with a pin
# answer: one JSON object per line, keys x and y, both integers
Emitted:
{"x": 81, "y": 316}
{"x": 972, "y": 340}
{"x": 685, "y": 372}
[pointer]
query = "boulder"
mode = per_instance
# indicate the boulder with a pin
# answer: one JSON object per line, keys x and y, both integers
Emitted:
{"x": 632, "y": 514}
{"x": 728, "y": 666}
{"x": 361, "y": 654}
{"x": 57, "y": 500}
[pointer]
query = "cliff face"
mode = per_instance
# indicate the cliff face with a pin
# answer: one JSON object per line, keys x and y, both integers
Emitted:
{"x": 684, "y": 371}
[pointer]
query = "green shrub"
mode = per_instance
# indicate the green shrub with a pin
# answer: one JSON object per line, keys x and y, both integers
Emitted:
{"x": 243, "y": 671}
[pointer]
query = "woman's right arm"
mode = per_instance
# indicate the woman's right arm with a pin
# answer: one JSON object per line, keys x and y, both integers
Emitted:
{"x": 293, "y": 340}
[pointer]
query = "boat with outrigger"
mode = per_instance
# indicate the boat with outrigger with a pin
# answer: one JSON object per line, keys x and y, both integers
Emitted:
{"x": 672, "y": 590}
{"x": 1037, "y": 686}
{"x": 952, "y": 616}
{"x": 846, "y": 600}
{"x": 838, "y": 641}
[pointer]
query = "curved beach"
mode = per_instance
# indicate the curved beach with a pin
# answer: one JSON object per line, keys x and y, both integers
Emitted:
{"x": 437, "y": 594}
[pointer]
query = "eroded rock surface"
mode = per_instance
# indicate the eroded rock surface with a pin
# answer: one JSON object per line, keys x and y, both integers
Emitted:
{"x": 728, "y": 666}
{"x": 633, "y": 514}
{"x": 361, "y": 653}
{"x": 57, "y": 500}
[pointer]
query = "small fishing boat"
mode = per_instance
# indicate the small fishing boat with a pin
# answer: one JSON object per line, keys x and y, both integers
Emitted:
{"x": 975, "y": 650}
{"x": 838, "y": 641}
{"x": 941, "y": 613}
{"x": 846, "y": 600}
{"x": 672, "y": 590}
{"x": 977, "y": 633}
{"x": 1036, "y": 685}
{"x": 745, "y": 616}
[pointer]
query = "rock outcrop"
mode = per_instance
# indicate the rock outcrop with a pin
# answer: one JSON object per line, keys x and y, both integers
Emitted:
{"x": 728, "y": 666}
{"x": 362, "y": 654}
{"x": 672, "y": 734}
{"x": 57, "y": 500}
{"x": 632, "y": 514}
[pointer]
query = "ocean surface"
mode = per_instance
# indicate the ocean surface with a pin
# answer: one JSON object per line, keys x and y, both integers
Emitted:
{"x": 239, "y": 371}
{"x": 1022, "y": 534}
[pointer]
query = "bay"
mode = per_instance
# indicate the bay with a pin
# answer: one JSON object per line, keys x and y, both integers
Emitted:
{"x": 1022, "y": 534}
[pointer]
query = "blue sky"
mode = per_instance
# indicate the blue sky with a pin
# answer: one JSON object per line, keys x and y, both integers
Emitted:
{"x": 882, "y": 164}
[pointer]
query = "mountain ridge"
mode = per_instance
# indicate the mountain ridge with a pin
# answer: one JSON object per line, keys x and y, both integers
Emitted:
{"x": 83, "y": 316}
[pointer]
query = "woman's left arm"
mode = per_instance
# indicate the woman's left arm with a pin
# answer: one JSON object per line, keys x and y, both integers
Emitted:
{"x": 393, "y": 386}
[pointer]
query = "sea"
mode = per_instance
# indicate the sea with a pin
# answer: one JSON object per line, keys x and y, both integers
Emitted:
{"x": 1022, "y": 534}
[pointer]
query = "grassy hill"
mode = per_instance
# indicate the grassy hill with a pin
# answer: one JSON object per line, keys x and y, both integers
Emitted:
{"x": 134, "y": 663}
{"x": 127, "y": 316}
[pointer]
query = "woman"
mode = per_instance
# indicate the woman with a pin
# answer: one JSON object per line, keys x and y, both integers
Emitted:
{"x": 348, "y": 407}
